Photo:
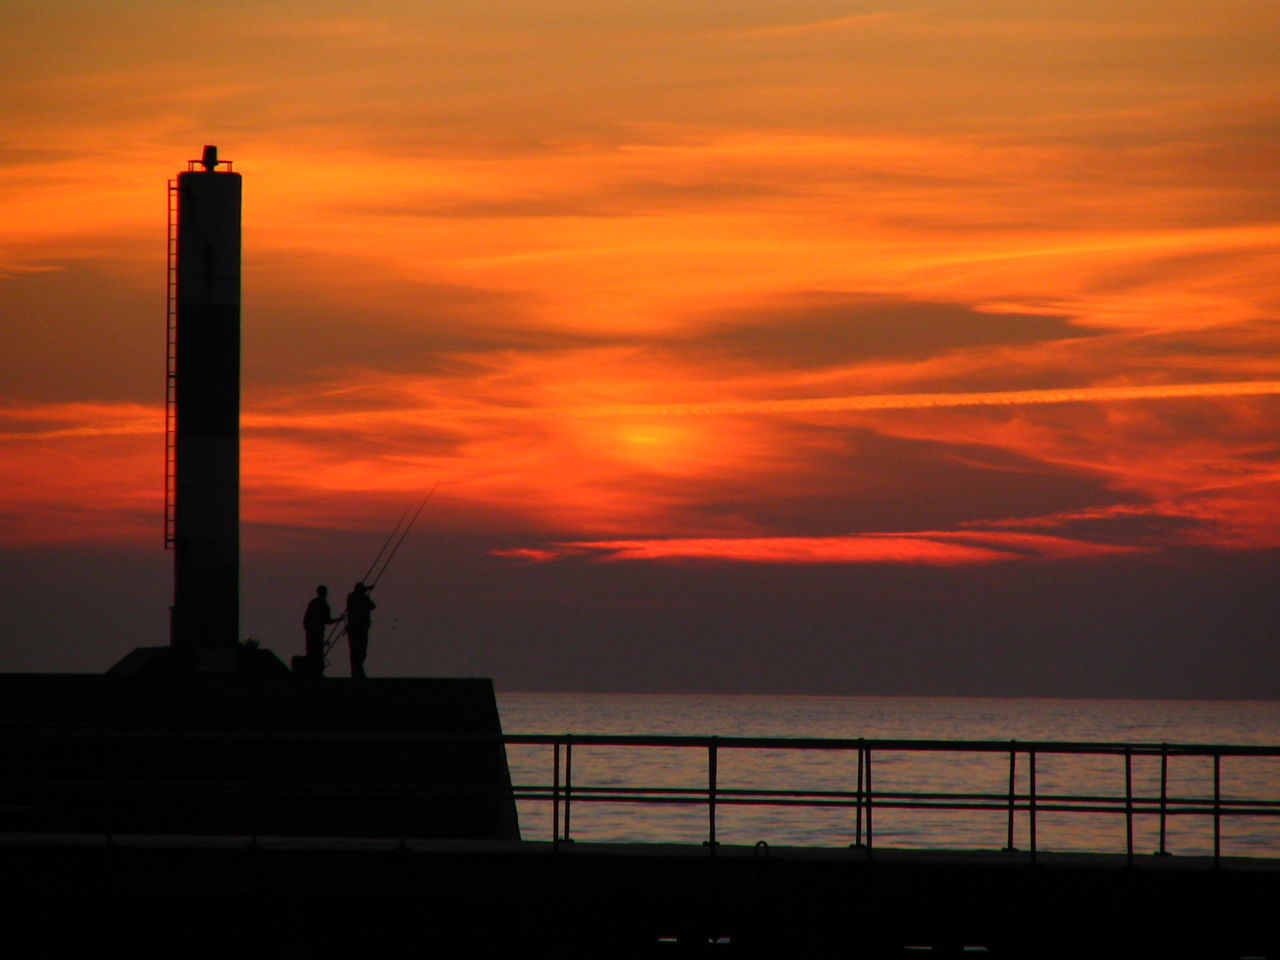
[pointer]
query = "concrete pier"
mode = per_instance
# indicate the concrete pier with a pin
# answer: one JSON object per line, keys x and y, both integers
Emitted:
{"x": 321, "y": 898}
{"x": 232, "y": 754}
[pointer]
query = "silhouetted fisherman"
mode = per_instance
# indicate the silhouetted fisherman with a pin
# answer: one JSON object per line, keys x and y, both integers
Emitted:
{"x": 360, "y": 607}
{"x": 317, "y": 617}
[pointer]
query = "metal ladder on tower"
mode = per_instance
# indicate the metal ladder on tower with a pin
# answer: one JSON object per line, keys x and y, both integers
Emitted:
{"x": 171, "y": 374}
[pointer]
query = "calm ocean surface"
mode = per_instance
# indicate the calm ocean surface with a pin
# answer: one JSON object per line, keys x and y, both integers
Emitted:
{"x": 1197, "y": 722}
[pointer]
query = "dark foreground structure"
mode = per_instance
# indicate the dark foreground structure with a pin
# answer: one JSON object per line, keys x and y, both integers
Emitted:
{"x": 471, "y": 899}
{"x": 202, "y": 815}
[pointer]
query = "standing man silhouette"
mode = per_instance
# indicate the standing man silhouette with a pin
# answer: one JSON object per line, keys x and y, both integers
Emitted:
{"x": 317, "y": 617}
{"x": 360, "y": 607}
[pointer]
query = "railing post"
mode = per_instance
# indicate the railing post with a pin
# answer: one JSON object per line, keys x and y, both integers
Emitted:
{"x": 712, "y": 780}
{"x": 1128, "y": 805}
{"x": 555, "y": 794}
{"x": 869, "y": 801}
{"x": 568, "y": 785}
{"x": 1031, "y": 800}
{"x": 1013, "y": 774}
{"x": 1164, "y": 796}
{"x": 857, "y": 841}
{"x": 1217, "y": 808}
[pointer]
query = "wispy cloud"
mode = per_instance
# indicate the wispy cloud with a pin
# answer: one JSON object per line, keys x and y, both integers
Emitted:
{"x": 931, "y": 548}
{"x": 86, "y": 420}
{"x": 916, "y": 401}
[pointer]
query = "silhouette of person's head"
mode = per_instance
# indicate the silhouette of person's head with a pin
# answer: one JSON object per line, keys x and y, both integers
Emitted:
{"x": 322, "y": 591}
{"x": 361, "y": 588}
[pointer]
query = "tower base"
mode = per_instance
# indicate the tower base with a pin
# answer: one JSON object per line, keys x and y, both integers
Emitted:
{"x": 243, "y": 660}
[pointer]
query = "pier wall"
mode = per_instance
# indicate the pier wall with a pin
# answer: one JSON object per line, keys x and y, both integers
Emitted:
{"x": 243, "y": 755}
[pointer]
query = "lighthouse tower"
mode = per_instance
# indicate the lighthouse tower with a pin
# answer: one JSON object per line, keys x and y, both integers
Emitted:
{"x": 202, "y": 489}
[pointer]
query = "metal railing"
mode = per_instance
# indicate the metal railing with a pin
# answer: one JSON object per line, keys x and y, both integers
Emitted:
{"x": 171, "y": 371}
{"x": 46, "y": 767}
{"x": 864, "y": 800}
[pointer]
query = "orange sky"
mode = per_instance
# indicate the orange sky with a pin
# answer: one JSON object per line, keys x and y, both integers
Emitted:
{"x": 940, "y": 284}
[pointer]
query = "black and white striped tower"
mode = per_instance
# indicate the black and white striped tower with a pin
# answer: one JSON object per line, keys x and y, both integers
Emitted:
{"x": 204, "y": 482}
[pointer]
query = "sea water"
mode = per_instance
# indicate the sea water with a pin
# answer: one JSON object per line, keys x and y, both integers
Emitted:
{"x": 1100, "y": 721}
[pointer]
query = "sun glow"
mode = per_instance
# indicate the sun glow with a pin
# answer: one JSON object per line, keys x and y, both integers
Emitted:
{"x": 660, "y": 447}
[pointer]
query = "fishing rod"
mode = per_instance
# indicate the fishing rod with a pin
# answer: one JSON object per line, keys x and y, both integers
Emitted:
{"x": 340, "y": 627}
{"x": 409, "y": 526}
{"x": 386, "y": 543}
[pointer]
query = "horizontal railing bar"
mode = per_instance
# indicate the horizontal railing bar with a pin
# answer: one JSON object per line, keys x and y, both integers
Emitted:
{"x": 1000, "y": 798}
{"x": 600, "y": 740}
{"x": 256, "y": 782}
{"x": 1154, "y": 801}
{"x": 701, "y": 800}
{"x": 542, "y": 794}
{"x": 942, "y": 746}
{"x": 538, "y": 793}
{"x": 1003, "y": 798}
